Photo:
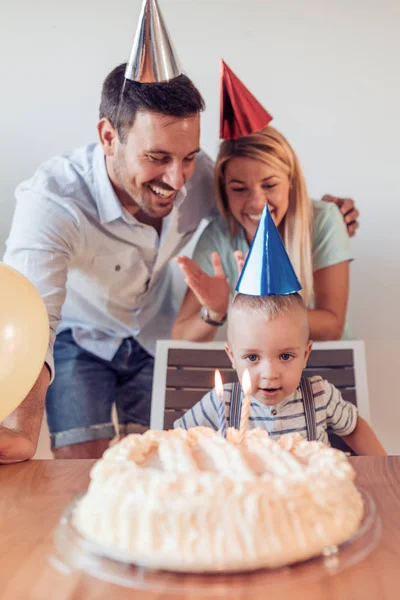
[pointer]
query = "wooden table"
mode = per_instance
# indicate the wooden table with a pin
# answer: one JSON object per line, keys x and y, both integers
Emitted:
{"x": 34, "y": 494}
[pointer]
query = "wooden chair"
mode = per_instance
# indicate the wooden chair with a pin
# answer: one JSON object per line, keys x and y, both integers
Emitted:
{"x": 184, "y": 372}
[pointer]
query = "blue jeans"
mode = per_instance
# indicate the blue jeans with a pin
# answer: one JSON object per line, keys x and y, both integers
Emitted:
{"x": 80, "y": 399}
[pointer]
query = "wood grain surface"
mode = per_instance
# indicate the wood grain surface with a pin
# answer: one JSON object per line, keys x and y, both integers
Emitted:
{"x": 33, "y": 495}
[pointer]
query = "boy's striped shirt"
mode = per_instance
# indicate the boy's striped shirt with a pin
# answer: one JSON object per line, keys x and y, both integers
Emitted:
{"x": 332, "y": 412}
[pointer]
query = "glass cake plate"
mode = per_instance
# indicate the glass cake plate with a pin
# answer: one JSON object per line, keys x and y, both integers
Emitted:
{"x": 72, "y": 552}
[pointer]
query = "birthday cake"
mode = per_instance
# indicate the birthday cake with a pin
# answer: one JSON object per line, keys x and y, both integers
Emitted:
{"x": 195, "y": 501}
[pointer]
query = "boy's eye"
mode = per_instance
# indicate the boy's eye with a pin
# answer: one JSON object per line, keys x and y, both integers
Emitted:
{"x": 252, "y": 358}
{"x": 285, "y": 356}
{"x": 189, "y": 159}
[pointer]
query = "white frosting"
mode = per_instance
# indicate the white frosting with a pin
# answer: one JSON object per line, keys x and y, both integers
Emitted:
{"x": 194, "y": 501}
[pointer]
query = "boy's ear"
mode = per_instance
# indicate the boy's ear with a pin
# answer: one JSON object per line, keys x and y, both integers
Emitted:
{"x": 307, "y": 352}
{"x": 229, "y": 353}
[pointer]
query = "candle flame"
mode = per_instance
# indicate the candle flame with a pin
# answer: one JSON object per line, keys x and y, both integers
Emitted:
{"x": 246, "y": 382}
{"x": 218, "y": 384}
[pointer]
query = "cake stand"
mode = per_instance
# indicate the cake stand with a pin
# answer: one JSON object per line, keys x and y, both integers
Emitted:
{"x": 72, "y": 552}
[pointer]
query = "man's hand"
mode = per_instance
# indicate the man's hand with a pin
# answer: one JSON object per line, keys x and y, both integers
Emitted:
{"x": 212, "y": 292}
{"x": 19, "y": 432}
{"x": 348, "y": 210}
{"x": 15, "y": 446}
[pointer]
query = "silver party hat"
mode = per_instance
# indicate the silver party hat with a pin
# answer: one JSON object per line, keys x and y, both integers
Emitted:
{"x": 153, "y": 58}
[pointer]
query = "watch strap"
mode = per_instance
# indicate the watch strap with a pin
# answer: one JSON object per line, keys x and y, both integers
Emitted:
{"x": 205, "y": 315}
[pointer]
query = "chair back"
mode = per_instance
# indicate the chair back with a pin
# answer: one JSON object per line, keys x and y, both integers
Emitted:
{"x": 184, "y": 373}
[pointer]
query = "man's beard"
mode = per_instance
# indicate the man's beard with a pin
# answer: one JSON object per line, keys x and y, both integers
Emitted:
{"x": 139, "y": 199}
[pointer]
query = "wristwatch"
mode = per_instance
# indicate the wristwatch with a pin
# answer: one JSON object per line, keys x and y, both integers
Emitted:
{"x": 205, "y": 315}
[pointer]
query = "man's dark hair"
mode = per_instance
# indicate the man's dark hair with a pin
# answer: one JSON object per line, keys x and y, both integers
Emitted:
{"x": 178, "y": 98}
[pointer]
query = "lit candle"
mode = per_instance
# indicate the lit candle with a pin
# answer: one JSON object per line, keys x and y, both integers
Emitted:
{"x": 219, "y": 388}
{"x": 244, "y": 416}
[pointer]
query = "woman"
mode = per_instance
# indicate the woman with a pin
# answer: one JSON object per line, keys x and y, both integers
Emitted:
{"x": 252, "y": 171}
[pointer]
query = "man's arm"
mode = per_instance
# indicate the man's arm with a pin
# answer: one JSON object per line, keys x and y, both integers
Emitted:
{"x": 44, "y": 236}
{"x": 19, "y": 433}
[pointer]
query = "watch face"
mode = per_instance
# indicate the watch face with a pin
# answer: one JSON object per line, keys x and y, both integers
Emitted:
{"x": 204, "y": 312}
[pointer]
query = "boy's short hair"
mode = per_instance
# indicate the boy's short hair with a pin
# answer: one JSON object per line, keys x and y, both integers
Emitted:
{"x": 178, "y": 97}
{"x": 268, "y": 307}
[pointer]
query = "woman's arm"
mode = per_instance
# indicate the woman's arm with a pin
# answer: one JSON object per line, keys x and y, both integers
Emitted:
{"x": 331, "y": 288}
{"x": 203, "y": 290}
{"x": 364, "y": 441}
{"x": 189, "y": 325}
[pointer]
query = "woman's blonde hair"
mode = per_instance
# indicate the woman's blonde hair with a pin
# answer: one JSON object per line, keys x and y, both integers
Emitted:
{"x": 270, "y": 147}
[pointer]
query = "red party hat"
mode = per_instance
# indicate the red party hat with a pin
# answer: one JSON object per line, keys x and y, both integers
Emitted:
{"x": 240, "y": 113}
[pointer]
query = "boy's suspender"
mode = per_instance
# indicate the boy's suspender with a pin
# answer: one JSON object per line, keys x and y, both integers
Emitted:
{"x": 236, "y": 406}
{"x": 309, "y": 408}
{"x": 308, "y": 403}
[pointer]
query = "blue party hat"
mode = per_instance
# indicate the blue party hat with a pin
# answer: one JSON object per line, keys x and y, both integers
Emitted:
{"x": 267, "y": 270}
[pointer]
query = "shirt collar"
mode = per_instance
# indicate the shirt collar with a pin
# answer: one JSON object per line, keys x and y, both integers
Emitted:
{"x": 180, "y": 197}
{"x": 108, "y": 205}
{"x": 296, "y": 395}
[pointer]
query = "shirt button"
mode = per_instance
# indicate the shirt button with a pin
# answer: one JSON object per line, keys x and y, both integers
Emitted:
{"x": 274, "y": 412}
{"x": 117, "y": 267}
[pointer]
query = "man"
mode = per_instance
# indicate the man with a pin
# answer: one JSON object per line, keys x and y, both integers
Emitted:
{"x": 99, "y": 227}
{"x": 95, "y": 230}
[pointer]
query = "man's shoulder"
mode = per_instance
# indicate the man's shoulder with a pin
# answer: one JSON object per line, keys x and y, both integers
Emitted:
{"x": 204, "y": 162}
{"x": 203, "y": 171}
{"x": 200, "y": 187}
{"x": 63, "y": 174}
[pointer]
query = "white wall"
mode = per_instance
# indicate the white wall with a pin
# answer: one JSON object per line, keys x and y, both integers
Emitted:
{"x": 327, "y": 71}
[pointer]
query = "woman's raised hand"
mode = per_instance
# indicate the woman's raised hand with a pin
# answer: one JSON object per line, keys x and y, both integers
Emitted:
{"x": 212, "y": 292}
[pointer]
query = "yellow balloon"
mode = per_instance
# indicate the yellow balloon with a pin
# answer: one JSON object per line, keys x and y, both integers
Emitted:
{"x": 24, "y": 338}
